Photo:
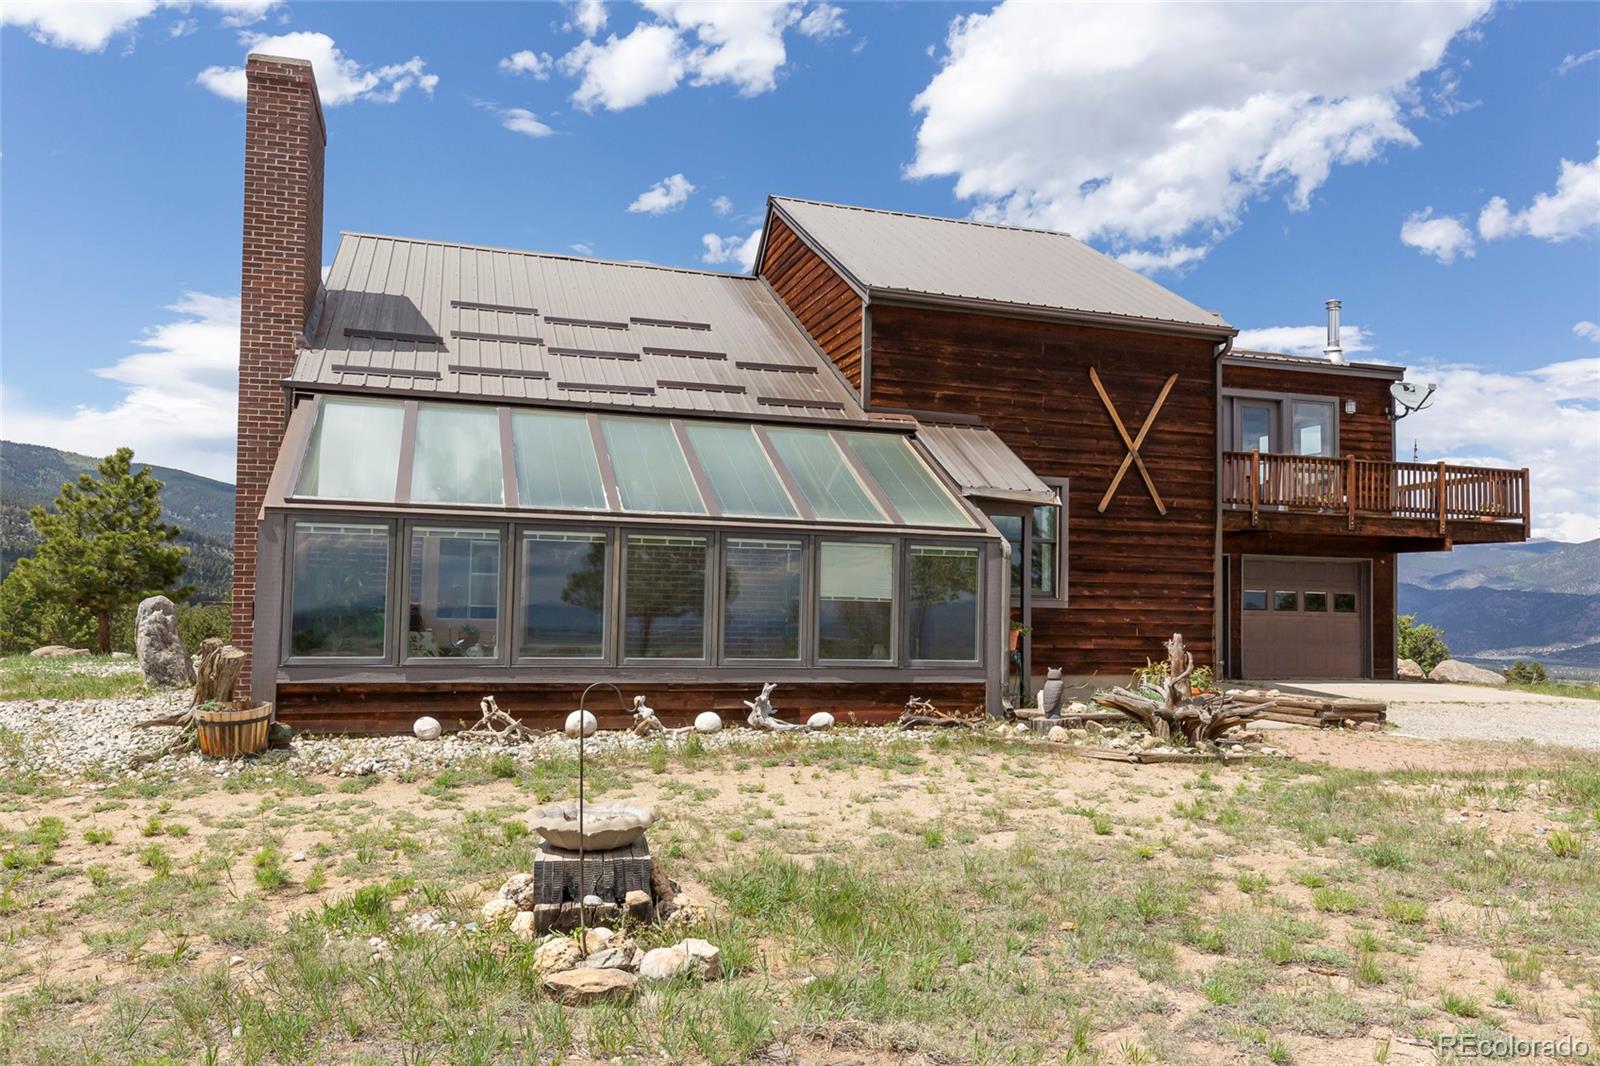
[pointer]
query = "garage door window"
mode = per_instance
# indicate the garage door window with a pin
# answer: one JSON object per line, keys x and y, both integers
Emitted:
{"x": 1344, "y": 602}
{"x": 1255, "y": 599}
{"x": 1286, "y": 601}
{"x": 1316, "y": 601}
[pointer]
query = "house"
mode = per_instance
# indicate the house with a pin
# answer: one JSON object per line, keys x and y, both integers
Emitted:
{"x": 466, "y": 470}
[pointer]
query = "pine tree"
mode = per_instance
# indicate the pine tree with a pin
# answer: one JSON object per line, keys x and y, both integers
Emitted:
{"x": 104, "y": 544}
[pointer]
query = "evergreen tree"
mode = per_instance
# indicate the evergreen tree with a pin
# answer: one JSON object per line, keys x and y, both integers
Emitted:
{"x": 104, "y": 544}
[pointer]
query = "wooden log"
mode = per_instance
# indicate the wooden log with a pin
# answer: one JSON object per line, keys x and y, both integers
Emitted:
{"x": 219, "y": 669}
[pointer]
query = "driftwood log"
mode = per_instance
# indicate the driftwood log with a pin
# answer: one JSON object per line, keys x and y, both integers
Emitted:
{"x": 495, "y": 725}
{"x": 1169, "y": 709}
{"x": 922, "y": 712}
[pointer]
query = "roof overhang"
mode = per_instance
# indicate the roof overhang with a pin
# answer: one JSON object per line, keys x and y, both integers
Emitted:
{"x": 970, "y": 305}
{"x": 1308, "y": 365}
{"x": 982, "y": 466}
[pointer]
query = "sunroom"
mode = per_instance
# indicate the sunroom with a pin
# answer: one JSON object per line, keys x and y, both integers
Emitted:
{"x": 421, "y": 552}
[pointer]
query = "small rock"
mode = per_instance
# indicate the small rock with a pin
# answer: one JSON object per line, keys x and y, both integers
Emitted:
{"x": 1369, "y": 727}
{"x": 518, "y": 888}
{"x": 235, "y": 960}
{"x": 639, "y": 905}
{"x": 707, "y": 722}
{"x": 1092, "y": 726}
{"x": 427, "y": 728}
{"x": 820, "y": 720}
{"x": 597, "y": 939}
{"x": 661, "y": 964}
{"x": 1150, "y": 741}
{"x": 1058, "y": 734}
{"x": 1409, "y": 670}
{"x": 298, "y": 856}
{"x": 581, "y": 720}
{"x": 57, "y": 651}
{"x": 574, "y": 988}
{"x": 1077, "y": 707}
{"x": 554, "y": 956}
{"x": 687, "y": 913}
{"x": 499, "y": 911}
{"x": 611, "y": 959}
{"x": 705, "y": 959}
{"x": 524, "y": 924}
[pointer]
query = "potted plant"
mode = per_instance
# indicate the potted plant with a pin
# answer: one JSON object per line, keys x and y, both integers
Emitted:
{"x": 1017, "y": 630}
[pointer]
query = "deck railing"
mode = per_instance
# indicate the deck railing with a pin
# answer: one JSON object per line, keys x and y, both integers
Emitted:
{"x": 1434, "y": 492}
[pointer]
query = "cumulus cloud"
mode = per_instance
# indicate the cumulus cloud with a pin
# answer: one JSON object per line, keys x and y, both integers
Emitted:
{"x": 340, "y": 79}
{"x": 666, "y": 195}
{"x": 518, "y": 120}
{"x": 89, "y": 27}
{"x": 179, "y": 400}
{"x": 534, "y": 64}
{"x": 1301, "y": 340}
{"x": 1154, "y": 126}
{"x": 738, "y": 250}
{"x": 822, "y": 22}
{"x": 1572, "y": 210}
{"x": 1587, "y": 330}
{"x": 722, "y": 206}
{"x": 1546, "y": 419}
{"x": 1174, "y": 257}
{"x": 1443, "y": 237}
{"x": 589, "y": 16}
{"x": 626, "y": 71}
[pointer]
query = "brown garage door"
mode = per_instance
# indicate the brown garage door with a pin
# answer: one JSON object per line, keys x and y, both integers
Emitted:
{"x": 1303, "y": 618}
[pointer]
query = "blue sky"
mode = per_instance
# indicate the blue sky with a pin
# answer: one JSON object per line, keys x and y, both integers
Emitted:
{"x": 1434, "y": 166}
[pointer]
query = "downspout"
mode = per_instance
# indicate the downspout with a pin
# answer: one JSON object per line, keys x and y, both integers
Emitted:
{"x": 1222, "y": 653}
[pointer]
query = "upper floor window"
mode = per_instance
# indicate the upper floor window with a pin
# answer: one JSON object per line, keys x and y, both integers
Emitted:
{"x": 1286, "y": 425}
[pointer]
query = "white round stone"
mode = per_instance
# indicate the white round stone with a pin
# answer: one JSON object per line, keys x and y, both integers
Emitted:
{"x": 820, "y": 720}
{"x": 427, "y": 728}
{"x": 707, "y": 722}
{"x": 581, "y": 720}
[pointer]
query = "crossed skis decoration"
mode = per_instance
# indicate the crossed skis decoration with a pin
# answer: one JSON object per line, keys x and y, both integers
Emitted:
{"x": 1133, "y": 444}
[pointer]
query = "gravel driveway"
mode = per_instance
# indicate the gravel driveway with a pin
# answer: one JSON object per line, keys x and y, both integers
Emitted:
{"x": 1469, "y": 712}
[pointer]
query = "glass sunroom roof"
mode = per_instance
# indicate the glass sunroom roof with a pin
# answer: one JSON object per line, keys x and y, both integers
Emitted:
{"x": 379, "y": 451}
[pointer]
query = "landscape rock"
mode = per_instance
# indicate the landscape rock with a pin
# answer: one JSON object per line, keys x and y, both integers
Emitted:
{"x": 499, "y": 910}
{"x": 581, "y": 720}
{"x": 707, "y": 722}
{"x": 705, "y": 959}
{"x": 1408, "y": 670}
{"x": 1078, "y": 707}
{"x": 161, "y": 654}
{"x": 554, "y": 956}
{"x": 519, "y": 890}
{"x": 662, "y": 964}
{"x": 56, "y": 651}
{"x": 687, "y": 913}
{"x": 639, "y": 905}
{"x": 611, "y": 959}
{"x": 524, "y": 925}
{"x": 1058, "y": 734}
{"x": 427, "y": 728}
{"x": 1456, "y": 670}
{"x": 597, "y": 939}
{"x": 820, "y": 720}
{"x": 575, "y": 988}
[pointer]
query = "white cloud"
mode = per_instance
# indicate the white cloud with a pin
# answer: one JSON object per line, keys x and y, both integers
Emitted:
{"x": 536, "y": 64}
{"x": 1573, "y": 210}
{"x": 1587, "y": 330}
{"x": 521, "y": 120}
{"x": 179, "y": 404}
{"x": 582, "y": 249}
{"x": 668, "y": 194}
{"x": 740, "y": 250}
{"x": 626, "y": 71}
{"x": 1301, "y": 340}
{"x": 1573, "y": 62}
{"x": 183, "y": 27}
{"x": 589, "y": 16}
{"x": 722, "y": 206}
{"x": 340, "y": 79}
{"x": 1547, "y": 420}
{"x": 1154, "y": 126}
{"x": 89, "y": 26}
{"x": 1443, "y": 237}
{"x": 242, "y": 12}
{"x": 823, "y": 21}
{"x": 1175, "y": 257}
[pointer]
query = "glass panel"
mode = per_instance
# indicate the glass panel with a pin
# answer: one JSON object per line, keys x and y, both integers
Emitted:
{"x": 354, "y": 452}
{"x": 563, "y": 595}
{"x": 665, "y": 598}
{"x": 1255, "y": 427}
{"x": 651, "y": 471}
{"x": 1316, "y": 601}
{"x": 856, "y": 608}
{"x": 556, "y": 464}
{"x": 1286, "y": 601}
{"x": 905, "y": 480}
{"x": 1045, "y": 562}
{"x": 1255, "y": 599}
{"x": 1344, "y": 602}
{"x": 741, "y": 476}
{"x": 453, "y": 578}
{"x": 1313, "y": 428}
{"x": 457, "y": 456}
{"x": 944, "y": 604}
{"x": 340, "y": 590}
{"x": 824, "y": 477}
{"x": 761, "y": 596}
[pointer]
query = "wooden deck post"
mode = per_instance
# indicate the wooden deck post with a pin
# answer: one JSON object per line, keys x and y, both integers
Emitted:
{"x": 1350, "y": 491}
{"x": 1255, "y": 486}
{"x": 1527, "y": 505}
{"x": 1441, "y": 498}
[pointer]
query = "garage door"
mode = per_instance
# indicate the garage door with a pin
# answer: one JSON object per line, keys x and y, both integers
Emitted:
{"x": 1303, "y": 618}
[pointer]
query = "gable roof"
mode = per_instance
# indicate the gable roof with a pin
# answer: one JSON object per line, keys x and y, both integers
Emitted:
{"x": 892, "y": 253}
{"x": 425, "y": 318}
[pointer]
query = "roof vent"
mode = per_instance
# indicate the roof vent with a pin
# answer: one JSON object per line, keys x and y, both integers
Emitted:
{"x": 1334, "y": 353}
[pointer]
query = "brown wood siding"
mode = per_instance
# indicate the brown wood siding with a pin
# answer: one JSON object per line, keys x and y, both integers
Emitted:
{"x": 825, "y": 304}
{"x": 1367, "y": 434}
{"x": 392, "y": 708}
{"x": 1134, "y": 576}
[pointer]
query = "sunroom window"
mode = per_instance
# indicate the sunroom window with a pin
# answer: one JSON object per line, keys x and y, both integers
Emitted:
{"x": 761, "y": 598}
{"x": 741, "y": 475}
{"x": 824, "y": 476}
{"x": 664, "y": 597}
{"x": 352, "y": 451}
{"x": 906, "y": 480}
{"x": 556, "y": 465}
{"x": 651, "y": 472}
{"x": 563, "y": 595}
{"x": 457, "y": 455}
{"x": 339, "y": 588}
{"x": 454, "y": 583}
{"x": 856, "y": 602}
{"x": 943, "y": 608}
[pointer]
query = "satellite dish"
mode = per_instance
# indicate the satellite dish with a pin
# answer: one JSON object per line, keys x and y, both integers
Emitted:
{"x": 1409, "y": 396}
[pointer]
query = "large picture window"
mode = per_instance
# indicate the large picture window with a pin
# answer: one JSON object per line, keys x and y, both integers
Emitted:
{"x": 943, "y": 609}
{"x": 339, "y": 589}
{"x": 563, "y": 595}
{"x": 664, "y": 598}
{"x": 856, "y": 602}
{"x": 453, "y": 579}
{"x": 457, "y": 455}
{"x": 761, "y": 598}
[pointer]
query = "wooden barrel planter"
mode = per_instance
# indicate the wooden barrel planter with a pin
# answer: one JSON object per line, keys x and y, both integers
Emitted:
{"x": 231, "y": 730}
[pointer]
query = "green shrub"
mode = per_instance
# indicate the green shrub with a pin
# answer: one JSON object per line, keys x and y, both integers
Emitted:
{"x": 1527, "y": 672}
{"x": 1421, "y": 643}
{"x": 1565, "y": 844}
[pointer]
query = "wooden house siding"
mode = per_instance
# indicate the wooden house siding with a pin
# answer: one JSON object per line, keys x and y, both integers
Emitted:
{"x": 823, "y": 302}
{"x": 1367, "y": 434}
{"x": 1134, "y": 576}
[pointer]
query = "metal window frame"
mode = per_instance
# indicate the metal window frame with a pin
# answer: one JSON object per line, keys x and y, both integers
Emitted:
{"x": 520, "y": 533}
{"x": 409, "y": 527}
{"x": 909, "y": 545}
{"x": 286, "y": 655}
{"x": 804, "y": 651}
{"x": 710, "y": 622}
{"x": 897, "y": 599}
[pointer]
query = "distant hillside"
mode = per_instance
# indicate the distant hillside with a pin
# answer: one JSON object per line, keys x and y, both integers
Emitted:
{"x": 1499, "y": 602}
{"x": 32, "y": 475}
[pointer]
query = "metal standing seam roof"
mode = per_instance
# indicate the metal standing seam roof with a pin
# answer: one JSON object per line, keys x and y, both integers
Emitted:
{"x": 1315, "y": 363}
{"x": 454, "y": 320}
{"x": 942, "y": 257}
{"x": 981, "y": 463}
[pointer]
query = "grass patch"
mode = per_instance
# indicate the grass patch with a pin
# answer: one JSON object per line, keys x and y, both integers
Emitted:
{"x": 78, "y": 677}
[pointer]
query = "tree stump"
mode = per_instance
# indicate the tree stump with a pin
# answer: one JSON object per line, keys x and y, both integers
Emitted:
{"x": 220, "y": 665}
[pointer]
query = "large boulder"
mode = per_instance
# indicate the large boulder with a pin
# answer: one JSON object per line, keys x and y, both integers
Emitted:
{"x": 1456, "y": 670}
{"x": 578, "y": 987}
{"x": 1408, "y": 670}
{"x": 161, "y": 654}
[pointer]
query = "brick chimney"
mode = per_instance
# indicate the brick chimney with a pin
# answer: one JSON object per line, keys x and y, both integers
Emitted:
{"x": 284, "y": 139}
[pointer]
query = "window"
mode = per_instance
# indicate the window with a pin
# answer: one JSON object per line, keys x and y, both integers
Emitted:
{"x": 664, "y": 598}
{"x": 1344, "y": 602}
{"x": 1312, "y": 428}
{"x": 1255, "y": 599}
{"x": 339, "y": 590}
{"x": 1255, "y": 426}
{"x": 825, "y": 478}
{"x": 943, "y": 610}
{"x": 651, "y": 472}
{"x": 454, "y": 581}
{"x": 351, "y": 455}
{"x": 856, "y": 602}
{"x": 1316, "y": 601}
{"x": 556, "y": 464}
{"x": 761, "y": 598}
{"x": 457, "y": 456}
{"x": 909, "y": 485}
{"x": 1285, "y": 601}
{"x": 741, "y": 476}
{"x": 1045, "y": 571}
{"x": 563, "y": 595}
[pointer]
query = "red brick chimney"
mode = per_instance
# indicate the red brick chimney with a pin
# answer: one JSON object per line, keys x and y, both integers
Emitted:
{"x": 284, "y": 139}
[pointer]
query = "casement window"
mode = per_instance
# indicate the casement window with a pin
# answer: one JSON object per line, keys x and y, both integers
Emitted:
{"x": 664, "y": 596}
{"x": 340, "y": 590}
{"x": 1047, "y": 566}
{"x": 943, "y": 609}
{"x": 563, "y": 589}
{"x": 453, "y": 578}
{"x": 761, "y": 590}
{"x": 855, "y": 602}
